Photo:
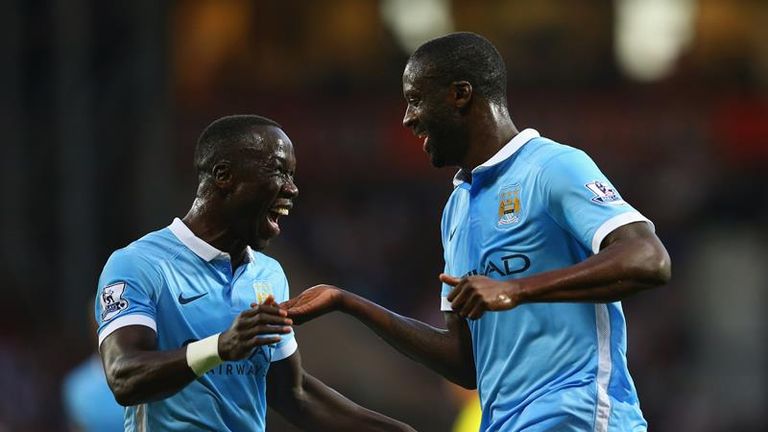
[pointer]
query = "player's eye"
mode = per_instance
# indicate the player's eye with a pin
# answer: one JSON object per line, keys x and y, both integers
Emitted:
{"x": 284, "y": 173}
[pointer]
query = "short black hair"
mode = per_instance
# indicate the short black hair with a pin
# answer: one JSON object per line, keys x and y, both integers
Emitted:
{"x": 469, "y": 57}
{"x": 224, "y": 135}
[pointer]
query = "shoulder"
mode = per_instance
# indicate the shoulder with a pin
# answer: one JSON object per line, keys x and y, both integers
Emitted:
{"x": 543, "y": 152}
{"x": 554, "y": 165}
{"x": 142, "y": 255}
{"x": 266, "y": 263}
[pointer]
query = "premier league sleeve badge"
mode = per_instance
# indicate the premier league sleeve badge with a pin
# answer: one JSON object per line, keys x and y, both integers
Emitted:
{"x": 112, "y": 301}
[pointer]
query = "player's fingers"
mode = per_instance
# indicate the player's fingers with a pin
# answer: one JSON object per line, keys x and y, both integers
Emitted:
{"x": 301, "y": 314}
{"x": 265, "y": 330}
{"x": 288, "y": 304}
{"x": 300, "y": 302}
{"x": 263, "y": 340}
{"x": 297, "y": 311}
{"x": 307, "y": 305}
{"x": 460, "y": 295}
{"x": 477, "y": 310}
{"x": 448, "y": 279}
{"x": 250, "y": 322}
{"x": 468, "y": 304}
{"x": 456, "y": 290}
{"x": 271, "y": 309}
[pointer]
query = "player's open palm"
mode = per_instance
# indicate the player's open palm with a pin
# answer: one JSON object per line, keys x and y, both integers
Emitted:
{"x": 472, "y": 296}
{"x": 262, "y": 324}
{"x": 312, "y": 303}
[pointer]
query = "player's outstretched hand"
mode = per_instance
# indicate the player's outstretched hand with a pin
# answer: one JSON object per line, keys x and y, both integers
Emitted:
{"x": 472, "y": 296}
{"x": 314, "y": 302}
{"x": 248, "y": 330}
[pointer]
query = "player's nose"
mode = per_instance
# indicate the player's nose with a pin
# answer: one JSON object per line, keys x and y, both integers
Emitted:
{"x": 290, "y": 189}
{"x": 409, "y": 119}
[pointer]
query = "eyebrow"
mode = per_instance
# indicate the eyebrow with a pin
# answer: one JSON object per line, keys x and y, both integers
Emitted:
{"x": 282, "y": 161}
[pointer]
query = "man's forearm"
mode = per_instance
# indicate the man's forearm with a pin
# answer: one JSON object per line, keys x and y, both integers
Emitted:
{"x": 632, "y": 259}
{"x": 323, "y": 409}
{"x": 617, "y": 271}
{"x": 148, "y": 376}
{"x": 446, "y": 351}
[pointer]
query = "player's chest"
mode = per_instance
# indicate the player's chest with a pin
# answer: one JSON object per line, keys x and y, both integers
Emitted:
{"x": 498, "y": 215}
{"x": 498, "y": 230}
{"x": 207, "y": 303}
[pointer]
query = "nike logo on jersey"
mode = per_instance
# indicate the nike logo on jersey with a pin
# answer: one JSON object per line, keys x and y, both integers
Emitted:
{"x": 186, "y": 300}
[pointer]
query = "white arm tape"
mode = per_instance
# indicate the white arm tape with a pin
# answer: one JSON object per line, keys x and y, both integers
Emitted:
{"x": 203, "y": 355}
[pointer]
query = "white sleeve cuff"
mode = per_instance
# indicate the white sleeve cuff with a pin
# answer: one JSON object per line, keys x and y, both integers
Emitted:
{"x": 615, "y": 222}
{"x": 445, "y": 305}
{"x": 126, "y": 320}
{"x": 286, "y": 350}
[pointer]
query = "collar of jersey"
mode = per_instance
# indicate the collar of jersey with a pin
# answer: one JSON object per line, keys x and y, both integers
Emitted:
{"x": 505, "y": 153}
{"x": 198, "y": 245}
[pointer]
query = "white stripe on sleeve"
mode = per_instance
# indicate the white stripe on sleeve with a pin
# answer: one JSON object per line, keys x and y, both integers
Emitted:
{"x": 126, "y": 320}
{"x": 286, "y": 350}
{"x": 615, "y": 222}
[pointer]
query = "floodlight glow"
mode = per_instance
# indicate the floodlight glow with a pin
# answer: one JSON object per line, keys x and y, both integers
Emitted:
{"x": 415, "y": 22}
{"x": 651, "y": 34}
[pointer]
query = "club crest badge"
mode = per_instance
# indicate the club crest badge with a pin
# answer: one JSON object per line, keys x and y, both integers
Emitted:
{"x": 509, "y": 205}
{"x": 112, "y": 301}
{"x": 262, "y": 290}
{"x": 604, "y": 193}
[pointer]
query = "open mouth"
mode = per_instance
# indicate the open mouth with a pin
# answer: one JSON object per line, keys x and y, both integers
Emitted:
{"x": 425, "y": 143}
{"x": 274, "y": 214}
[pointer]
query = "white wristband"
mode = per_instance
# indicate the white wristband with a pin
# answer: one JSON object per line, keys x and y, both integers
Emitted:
{"x": 203, "y": 355}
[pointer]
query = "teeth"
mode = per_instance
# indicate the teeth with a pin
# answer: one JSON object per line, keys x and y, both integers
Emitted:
{"x": 282, "y": 211}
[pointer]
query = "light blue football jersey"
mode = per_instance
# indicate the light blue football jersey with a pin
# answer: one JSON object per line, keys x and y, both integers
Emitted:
{"x": 537, "y": 206}
{"x": 184, "y": 289}
{"x": 88, "y": 401}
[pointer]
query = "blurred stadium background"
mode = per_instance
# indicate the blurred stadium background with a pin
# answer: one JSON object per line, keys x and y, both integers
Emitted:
{"x": 102, "y": 103}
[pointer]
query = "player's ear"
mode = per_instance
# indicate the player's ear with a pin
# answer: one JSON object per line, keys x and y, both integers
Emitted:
{"x": 462, "y": 93}
{"x": 222, "y": 174}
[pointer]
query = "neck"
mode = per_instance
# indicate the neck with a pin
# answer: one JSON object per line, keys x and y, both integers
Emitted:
{"x": 493, "y": 129}
{"x": 209, "y": 225}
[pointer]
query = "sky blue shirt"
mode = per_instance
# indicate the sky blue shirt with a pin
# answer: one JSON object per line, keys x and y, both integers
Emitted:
{"x": 89, "y": 403}
{"x": 537, "y": 206}
{"x": 183, "y": 288}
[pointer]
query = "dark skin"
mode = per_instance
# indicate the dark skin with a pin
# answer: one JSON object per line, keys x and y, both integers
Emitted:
{"x": 239, "y": 204}
{"x": 631, "y": 258}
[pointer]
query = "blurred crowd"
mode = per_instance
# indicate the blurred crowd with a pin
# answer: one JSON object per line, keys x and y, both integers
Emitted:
{"x": 104, "y": 109}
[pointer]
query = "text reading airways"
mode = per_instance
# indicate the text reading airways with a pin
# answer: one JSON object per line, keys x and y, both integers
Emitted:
{"x": 256, "y": 364}
{"x": 509, "y": 265}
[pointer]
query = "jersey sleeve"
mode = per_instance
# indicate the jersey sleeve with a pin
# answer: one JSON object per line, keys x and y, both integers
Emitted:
{"x": 127, "y": 293}
{"x": 287, "y": 345}
{"x": 582, "y": 200}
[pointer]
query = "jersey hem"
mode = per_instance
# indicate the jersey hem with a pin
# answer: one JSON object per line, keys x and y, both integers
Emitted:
{"x": 445, "y": 305}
